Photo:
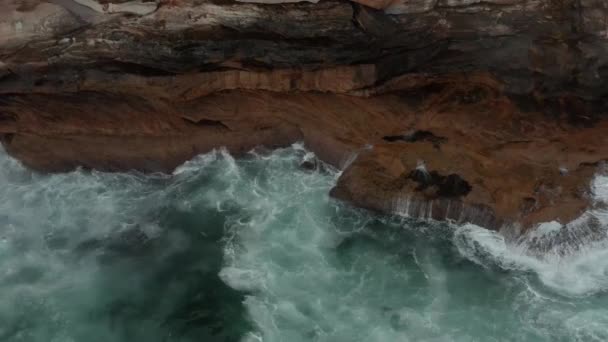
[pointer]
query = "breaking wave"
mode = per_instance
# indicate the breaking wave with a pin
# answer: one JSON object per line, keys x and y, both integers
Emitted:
{"x": 255, "y": 250}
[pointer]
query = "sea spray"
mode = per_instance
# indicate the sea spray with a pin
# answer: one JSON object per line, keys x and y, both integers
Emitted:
{"x": 91, "y": 256}
{"x": 254, "y": 249}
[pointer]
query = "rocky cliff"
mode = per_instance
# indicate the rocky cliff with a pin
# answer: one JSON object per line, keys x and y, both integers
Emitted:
{"x": 490, "y": 112}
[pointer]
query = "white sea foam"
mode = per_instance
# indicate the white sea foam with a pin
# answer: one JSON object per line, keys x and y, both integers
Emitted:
{"x": 296, "y": 277}
{"x": 312, "y": 269}
{"x": 571, "y": 259}
{"x": 584, "y": 272}
{"x": 52, "y": 229}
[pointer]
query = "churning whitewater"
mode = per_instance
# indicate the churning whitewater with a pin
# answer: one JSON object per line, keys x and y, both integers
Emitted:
{"x": 255, "y": 250}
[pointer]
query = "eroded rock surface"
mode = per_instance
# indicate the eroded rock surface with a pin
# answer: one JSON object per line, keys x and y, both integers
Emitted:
{"x": 489, "y": 112}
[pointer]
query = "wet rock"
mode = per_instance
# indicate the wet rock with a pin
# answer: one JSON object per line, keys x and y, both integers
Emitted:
{"x": 309, "y": 165}
{"x": 120, "y": 85}
{"x": 453, "y": 186}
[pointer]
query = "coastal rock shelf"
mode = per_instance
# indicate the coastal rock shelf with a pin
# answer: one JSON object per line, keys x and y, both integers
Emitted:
{"x": 490, "y": 112}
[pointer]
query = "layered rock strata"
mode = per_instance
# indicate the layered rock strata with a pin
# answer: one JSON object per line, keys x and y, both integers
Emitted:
{"x": 489, "y": 112}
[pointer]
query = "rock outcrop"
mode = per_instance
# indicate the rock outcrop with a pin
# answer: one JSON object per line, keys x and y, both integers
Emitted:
{"x": 489, "y": 112}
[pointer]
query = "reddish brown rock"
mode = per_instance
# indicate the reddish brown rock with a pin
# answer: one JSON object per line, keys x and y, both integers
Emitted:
{"x": 462, "y": 151}
{"x": 512, "y": 162}
{"x": 490, "y": 112}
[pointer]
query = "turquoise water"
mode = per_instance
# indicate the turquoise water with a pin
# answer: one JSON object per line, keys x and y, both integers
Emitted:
{"x": 255, "y": 250}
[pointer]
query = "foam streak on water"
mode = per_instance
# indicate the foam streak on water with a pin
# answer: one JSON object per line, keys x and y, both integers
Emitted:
{"x": 255, "y": 250}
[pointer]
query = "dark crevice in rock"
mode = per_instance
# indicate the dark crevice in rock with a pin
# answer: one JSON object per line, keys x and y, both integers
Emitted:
{"x": 374, "y": 23}
{"x": 355, "y": 19}
{"x": 197, "y": 38}
{"x": 600, "y": 163}
{"x": 444, "y": 186}
{"x": 206, "y": 123}
{"x": 454, "y": 186}
{"x": 417, "y": 136}
{"x": 119, "y": 67}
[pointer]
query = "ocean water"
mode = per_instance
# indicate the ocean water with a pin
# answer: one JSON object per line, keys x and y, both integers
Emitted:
{"x": 255, "y": 250}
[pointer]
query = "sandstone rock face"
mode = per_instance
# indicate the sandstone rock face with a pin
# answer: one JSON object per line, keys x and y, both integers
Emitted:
{"x": 489, "y": 112}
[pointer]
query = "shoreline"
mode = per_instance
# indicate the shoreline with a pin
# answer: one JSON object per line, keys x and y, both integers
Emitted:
{"x": 496, "y": 163}
{"x": 496, "y": 108}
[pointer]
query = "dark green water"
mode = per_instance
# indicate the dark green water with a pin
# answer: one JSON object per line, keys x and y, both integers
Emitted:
{"x": 254, "y": 250}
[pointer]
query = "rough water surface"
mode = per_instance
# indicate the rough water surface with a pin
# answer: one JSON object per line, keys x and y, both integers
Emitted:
{"x": 255, "y": 250}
